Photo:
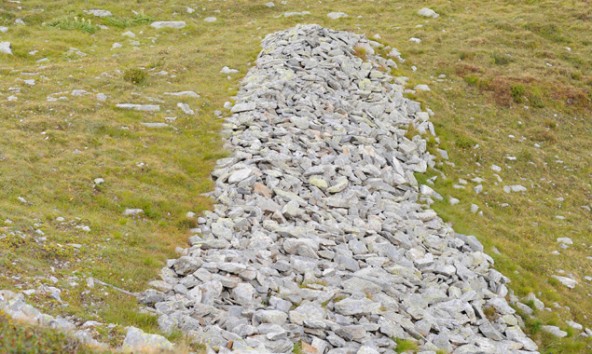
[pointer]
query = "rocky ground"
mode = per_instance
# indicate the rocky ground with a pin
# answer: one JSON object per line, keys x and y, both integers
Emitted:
{"x": 320, "y": 235}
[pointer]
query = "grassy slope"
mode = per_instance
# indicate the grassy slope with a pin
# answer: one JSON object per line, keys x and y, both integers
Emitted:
{"x": 18, "y": 338}
{"x": 498, "y": 57}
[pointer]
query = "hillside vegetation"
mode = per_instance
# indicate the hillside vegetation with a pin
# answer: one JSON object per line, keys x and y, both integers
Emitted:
{"x": 510, "y": 86}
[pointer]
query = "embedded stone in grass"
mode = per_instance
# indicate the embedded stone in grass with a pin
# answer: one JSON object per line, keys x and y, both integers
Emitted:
{"x": 155, "y": 125}
{"x": 139, "y": 107}
{"x": 185, "y": 108}
{"x": 422, "y": 87}
{"x": 79, "y": 93}
{"x": 296, "y": 13}
{"x": 183, "y": 94}
{"x": 555, "y": 331}
{"x": 568, "y": 282}
{"x": 574, "y": 325}
{"x": 210, "y": 19}
{"x": 98, "y": 13}
{"x": 565, "y": 240}
{"x": 443, "y": 153}
{"x": 516, "y": 188}
{"x": 168, "y": 24}
{"x": 3, "y": 29}
{"x": 538, "y": 304}
{"x": 228, "y": 71}
{"x": 137, "y": 340}
{"x": 5, "y": 47}
{"x": 336, "y": 15}
{"x": 429, "y": 192}
{"x": 132, "y": 212}
{"x": 427, "y": 12}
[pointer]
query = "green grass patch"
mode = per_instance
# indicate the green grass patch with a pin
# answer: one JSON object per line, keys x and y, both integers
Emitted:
{"x": 125, "y": 22}
{"x": 405, "y": 345}
{"x": 135, "y": 76}
{"x": 74, "y": 23}
{"x": 21, "y": 338}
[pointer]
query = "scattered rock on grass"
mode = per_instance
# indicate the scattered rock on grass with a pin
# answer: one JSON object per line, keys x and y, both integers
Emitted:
{"x": 555, "y": 331}
{"x": 6, "y": 48}
{"x": 336, "y": 15}
{"x": 168, "y": 24}
{"x": 427, "y": 12}
{"x": 98, "y": 13}
{"x": 227, "y": 70}
{"x": 139, "y": 107}
{"x": 137, "y": 340}
{"x": 569, "y": 282}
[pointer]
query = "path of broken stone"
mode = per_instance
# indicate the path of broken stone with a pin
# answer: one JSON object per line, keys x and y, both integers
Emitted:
{"x": 318, "y": 235}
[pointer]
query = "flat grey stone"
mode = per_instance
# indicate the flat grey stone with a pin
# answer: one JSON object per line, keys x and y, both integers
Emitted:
{"x": 168, "y": 24}
{"x": 555, "y": 331}
{"x": 427, "y": 12}
{"x": 568, "y": 282}
{"x": 99, "y": 13}
{"x": 336, "y": 15}
{"x": 271, "y": 316}
{"x": 243, "y": 107}
{"x": 139, "y": 107}
{"x": 136, "y": 339}
{"x": 350, "y": 306}
{"x": 239, "y": 175}
{"x": 6, "y": 48}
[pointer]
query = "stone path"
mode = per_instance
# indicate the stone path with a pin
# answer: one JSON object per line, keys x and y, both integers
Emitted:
{"x": 317, "y": 235}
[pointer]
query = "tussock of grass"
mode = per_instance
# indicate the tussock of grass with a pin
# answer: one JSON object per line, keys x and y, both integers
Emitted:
{"x": 74, "y": 23}
{"x": 361, "y": 52}
{"x": 405, "y": 345}
{"x": 125, "y": 22}
{"x": 135, "y": 76}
